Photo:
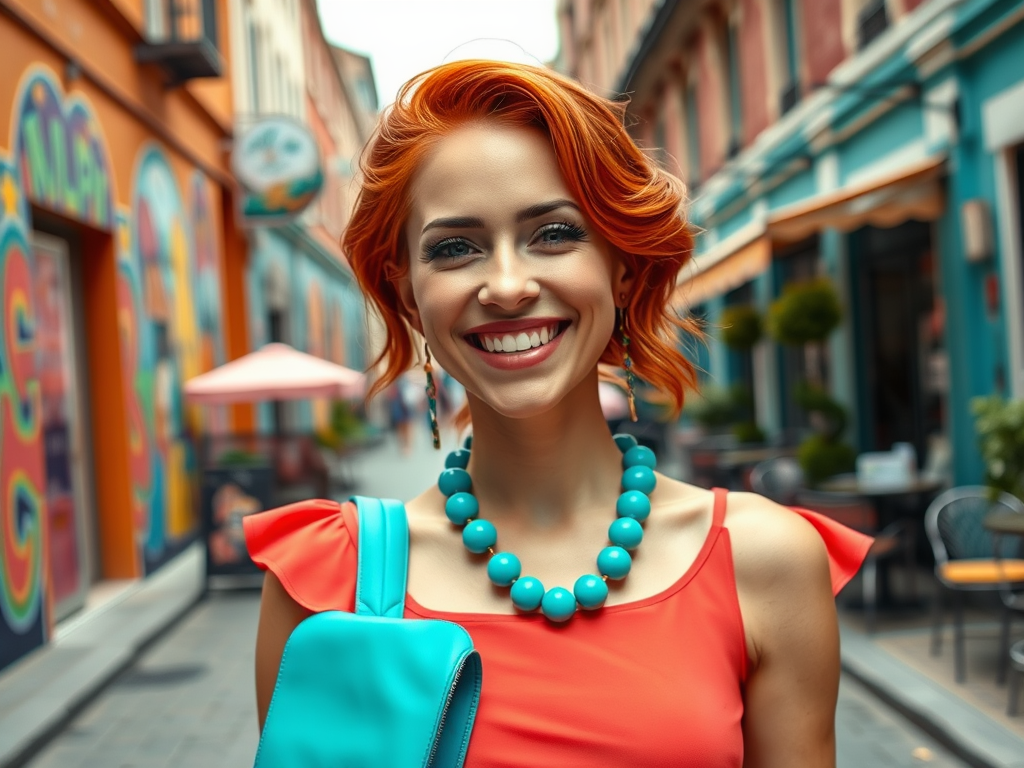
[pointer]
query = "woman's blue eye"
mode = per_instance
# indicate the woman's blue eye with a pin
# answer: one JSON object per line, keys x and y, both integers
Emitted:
{"x": 449, "y": 248}
{"x": 557, "y": 234}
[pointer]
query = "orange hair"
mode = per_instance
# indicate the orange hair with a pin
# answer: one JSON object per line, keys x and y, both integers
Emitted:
{"x": 636, "y": 206}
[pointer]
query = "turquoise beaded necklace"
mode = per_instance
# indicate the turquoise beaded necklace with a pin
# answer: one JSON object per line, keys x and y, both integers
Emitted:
{"x": 504, "y": 569}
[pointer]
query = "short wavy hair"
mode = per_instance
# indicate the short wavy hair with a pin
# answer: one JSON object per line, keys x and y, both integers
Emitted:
{"x": 636, "y": 206}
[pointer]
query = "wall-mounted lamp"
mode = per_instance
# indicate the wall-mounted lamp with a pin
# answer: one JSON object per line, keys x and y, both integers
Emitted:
{"x": 976, "y": 226}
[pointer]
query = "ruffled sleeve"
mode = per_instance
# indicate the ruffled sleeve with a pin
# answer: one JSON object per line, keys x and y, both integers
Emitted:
{"x": 846, "y": 547}
{"x": 312, "y": 548}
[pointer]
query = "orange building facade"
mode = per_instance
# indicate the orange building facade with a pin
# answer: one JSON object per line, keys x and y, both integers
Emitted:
{"x": 121, "y": 276}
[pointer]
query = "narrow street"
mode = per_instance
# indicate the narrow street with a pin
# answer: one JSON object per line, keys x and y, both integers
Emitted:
{"x": 188, "y": 702}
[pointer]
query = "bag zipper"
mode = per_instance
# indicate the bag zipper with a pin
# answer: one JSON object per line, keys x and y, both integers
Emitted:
{"x": 444, "y": 713}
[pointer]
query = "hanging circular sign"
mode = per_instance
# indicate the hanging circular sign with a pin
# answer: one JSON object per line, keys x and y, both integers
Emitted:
{"x": 277, "y": 163}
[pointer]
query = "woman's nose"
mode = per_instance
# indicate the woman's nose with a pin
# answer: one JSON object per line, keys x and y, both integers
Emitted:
{"x": 509, "y": 281}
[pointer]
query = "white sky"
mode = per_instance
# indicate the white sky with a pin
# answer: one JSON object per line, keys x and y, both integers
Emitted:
{"x": 405, "y": 37}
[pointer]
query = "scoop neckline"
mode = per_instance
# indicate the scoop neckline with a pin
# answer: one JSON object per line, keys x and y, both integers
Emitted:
{"x": 417, "y": 609}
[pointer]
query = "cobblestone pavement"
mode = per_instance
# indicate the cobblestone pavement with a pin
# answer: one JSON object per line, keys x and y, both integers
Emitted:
{"x": 188, "y": 702}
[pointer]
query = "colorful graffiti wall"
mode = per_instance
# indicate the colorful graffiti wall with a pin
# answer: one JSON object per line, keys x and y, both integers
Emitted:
{"x": 170, "y": 331}
{"x": 168, "y": 303}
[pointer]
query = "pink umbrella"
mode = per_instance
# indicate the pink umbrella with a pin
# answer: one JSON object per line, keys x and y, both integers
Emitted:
{"x": 275, "y": 372}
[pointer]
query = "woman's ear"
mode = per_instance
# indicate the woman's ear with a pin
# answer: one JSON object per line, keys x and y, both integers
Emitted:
{"x": 623, "y": 279}
{"x": 403, "y": 285}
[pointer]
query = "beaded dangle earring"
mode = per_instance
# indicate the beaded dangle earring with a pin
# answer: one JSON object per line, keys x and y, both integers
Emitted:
{"x": 428, "y": 368}
{"x": 627, "y": 363}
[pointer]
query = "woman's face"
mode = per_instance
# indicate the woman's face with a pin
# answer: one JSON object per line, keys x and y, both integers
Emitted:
{"x": 513, "y": 288}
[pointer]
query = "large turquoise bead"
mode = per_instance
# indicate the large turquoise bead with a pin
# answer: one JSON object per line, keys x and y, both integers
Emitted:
{"x": 454, "y": 480}
{"x": 457, "y": 459}
{"x": 504, "y": 568}
{"x": 527, "y": 593}
{"x": 633, "y": 504}
{"x": 558, "y": 604}
{"x": 614, "y": 562}
{"x": 468, "y": 442}
{"x": 591, "y": 591}
{"x": 624, "y": 441}
{"x": 478, "y": 535}
{"x": 626, "y": 533}
{"x": 461, "y": 507}
{"x": 639, "y": 478}
{"x": 639, "y": 456}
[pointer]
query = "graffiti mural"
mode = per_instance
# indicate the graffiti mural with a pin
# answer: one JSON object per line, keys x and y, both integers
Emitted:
{"x": 170, "y": 331}
{"x": 22, "y": 504}
{"x": 61, "y": 152}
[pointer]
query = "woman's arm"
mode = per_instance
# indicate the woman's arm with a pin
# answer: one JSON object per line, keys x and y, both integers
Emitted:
{"x": 279, "y": 615}
{"x": 782, "y": 579}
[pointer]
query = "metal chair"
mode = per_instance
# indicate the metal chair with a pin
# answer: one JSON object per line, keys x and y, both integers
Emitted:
{"x": 1016, "y": 675}
{"x": 778, "y": 479}
{"x": 858, "y": 513}
{"x": 965, "y": 561}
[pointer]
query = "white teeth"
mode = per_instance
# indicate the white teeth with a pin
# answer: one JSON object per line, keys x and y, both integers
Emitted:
{"x": 520, "y": 342}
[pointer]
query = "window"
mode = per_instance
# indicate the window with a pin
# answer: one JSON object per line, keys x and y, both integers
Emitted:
{"x": 692, "y": 136}
{"x": 254, "y": 68}
{"x": 787, "y": 15}
{"x": 732, "y": 65}
{"x": 872, "y": 21}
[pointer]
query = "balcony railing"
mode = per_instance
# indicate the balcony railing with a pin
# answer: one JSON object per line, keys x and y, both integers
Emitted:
{"x": 183, "y": 41}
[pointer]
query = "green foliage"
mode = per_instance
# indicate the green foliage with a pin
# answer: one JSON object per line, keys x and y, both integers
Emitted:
{"x": 1000, "y": 427}
{"x": 714, "y": 407}
{"x": 748, "y": 432}
{"x": 820, "y": 458}
{"x": 741, "y": 326}
{"x": 806, "y": 312}
{"x": 829, "y": 415}
{"x": 345, "y": 426}
{"x": 236, "y": 457}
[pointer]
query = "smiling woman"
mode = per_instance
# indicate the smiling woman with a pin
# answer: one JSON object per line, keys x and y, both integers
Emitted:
{"x": 507, "y": 218}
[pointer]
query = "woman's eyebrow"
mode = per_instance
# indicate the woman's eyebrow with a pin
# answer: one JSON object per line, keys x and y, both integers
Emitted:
{"x": 471, "y": 222}
{"x": 543, "y": 208}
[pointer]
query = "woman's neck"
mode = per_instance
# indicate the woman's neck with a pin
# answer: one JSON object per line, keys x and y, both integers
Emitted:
{"x": 546, "y": 469}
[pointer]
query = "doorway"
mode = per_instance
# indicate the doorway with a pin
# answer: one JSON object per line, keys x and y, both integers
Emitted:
{"x": 61, "y": 383}
{"x": 899, "y": 330}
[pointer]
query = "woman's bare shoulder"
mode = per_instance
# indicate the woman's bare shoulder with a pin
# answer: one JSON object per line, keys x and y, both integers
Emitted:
{"x": 772, "y": 540}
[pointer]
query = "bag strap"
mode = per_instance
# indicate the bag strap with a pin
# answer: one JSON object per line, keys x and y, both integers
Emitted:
{"x": 383, "y": 557}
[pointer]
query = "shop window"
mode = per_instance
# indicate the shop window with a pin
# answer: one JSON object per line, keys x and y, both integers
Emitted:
{"x": 182, "y": 39}
{"x": 797, "y": 364}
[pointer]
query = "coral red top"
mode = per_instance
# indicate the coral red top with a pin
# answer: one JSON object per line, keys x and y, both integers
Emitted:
{"x": 656, "y": 682}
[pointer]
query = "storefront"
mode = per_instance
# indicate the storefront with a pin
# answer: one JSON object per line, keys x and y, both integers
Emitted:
{"x": 899, "y": 182}
{"x": 112, "y": 251}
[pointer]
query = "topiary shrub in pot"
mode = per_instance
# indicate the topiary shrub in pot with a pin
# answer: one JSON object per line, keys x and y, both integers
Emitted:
{"x": 805, "y": 315}
{"x": 741, "y": 329}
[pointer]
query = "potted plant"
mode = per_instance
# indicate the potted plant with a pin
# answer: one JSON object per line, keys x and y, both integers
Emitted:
{"x": 741, "y": 330}
{"x": 1000, "y": 427}
{"x": 805, "y": 315}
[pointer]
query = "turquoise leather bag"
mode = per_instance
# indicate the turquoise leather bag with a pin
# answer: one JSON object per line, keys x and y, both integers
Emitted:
{"x": 370, "y": 689}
